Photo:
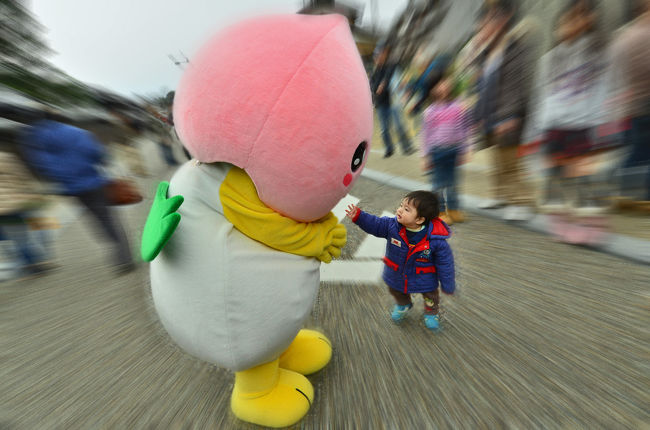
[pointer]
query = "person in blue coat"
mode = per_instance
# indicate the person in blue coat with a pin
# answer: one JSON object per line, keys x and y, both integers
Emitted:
{"x": 71, "y": 158}
{"x": 418, "y": 256}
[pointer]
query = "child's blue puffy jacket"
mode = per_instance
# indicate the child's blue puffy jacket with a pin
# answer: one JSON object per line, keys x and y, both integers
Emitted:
{"x": 413, "y": 268}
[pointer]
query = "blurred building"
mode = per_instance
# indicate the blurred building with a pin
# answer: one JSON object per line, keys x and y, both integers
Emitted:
{"x": 445, "y": 25}
{"x": 365, "y": 38}
{"x": 30, "y": 84}
{"x": 613, "y": 14}
{"x": 415, "y": 26}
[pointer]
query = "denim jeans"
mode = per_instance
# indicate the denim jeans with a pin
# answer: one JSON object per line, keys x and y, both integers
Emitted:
{"x": 445, "y": 176}
{"x": 168, "y": 154}
{"x": 388, "y": 114}
{"x": 636, "y": 169}
{"x": 14, "y": 228}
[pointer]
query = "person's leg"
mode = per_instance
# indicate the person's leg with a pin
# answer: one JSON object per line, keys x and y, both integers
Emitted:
{"x": 506, "y": 173}
{"x": 452, "y": 186}
{"x": 431, "y": 309}
{"x": 580, "y": 168}
{"x": 10, "y": 262}
{"x": 500, "y": 173}
{"x": 403, "y": 304}
{"x": 400, "y": 297}
{"x": 502, "y": 169}
{"x": 444, "y": 165}
{"x": 640, "y": 155}
{"x": 453, "y": 201}
{"x": 431, "y": 302}
{"x": 511, "y": 184}
{"x": 553, "y": 189}
{"x": 552, "y": 194}
{"x": 383, "y": 112}
{"x": 15, "y": 229}
{"x": 167, "y": 153}
{"x": 107, "y": 220}
{"x": 493, "y": 198}
{"x": 647, "y": 184}
{"x": 439, "y": 176}
{"x": 627, "y": 182}
{"x": 41, "y": 229}
{"x": 405, "y": 141}
{"x": 586, "y": 193}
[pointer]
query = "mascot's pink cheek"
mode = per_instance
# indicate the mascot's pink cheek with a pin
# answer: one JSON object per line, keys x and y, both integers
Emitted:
{"x": 347, "y": 179}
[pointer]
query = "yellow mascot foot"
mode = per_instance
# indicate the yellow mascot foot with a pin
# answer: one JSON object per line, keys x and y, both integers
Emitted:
{"x": 269, "y": 396}
{"x": 309, "y": 352}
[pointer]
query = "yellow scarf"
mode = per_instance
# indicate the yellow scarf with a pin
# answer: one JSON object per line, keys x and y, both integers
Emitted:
{"x": 322, "y": 239}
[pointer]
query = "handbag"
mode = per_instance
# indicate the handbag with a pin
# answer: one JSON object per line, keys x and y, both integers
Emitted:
{"x": 122, "y": 192}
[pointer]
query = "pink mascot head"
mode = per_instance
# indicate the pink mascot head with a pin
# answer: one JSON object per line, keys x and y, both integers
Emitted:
{"x": 285, "y": 98}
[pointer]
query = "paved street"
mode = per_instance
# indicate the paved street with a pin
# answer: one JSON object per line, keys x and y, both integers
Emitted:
{"x": 541, "y": 335}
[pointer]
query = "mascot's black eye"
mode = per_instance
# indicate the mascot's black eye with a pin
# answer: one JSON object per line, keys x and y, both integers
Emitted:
{"x": 357, "y": 158}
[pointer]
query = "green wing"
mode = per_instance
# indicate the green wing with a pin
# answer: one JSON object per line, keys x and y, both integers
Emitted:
{"x": 161, "y": 222}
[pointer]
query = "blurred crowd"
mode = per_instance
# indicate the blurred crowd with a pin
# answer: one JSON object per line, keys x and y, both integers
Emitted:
{"x": 51, "y": 157}
{"x": 578, "y": 113}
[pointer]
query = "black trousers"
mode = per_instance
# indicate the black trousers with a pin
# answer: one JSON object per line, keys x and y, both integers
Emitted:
{"x": 108, "y": 223}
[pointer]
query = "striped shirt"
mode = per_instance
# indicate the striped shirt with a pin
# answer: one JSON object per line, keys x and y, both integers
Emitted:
{"x": 445, "y": 124}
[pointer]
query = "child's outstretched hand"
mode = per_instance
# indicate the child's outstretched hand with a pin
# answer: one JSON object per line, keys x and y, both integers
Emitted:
{"x": 352, "y": 211}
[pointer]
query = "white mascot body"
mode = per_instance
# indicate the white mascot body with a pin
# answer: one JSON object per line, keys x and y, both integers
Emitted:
{"x": 220, "y": 294}
{"x": 277, "y": 115}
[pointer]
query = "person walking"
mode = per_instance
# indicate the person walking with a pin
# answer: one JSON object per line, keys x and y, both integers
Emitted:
{"x": 380, "y": 84}
{"x": 445, "y": 137}
{"x": 501, "y": 111}
{"x": 19, "y": 196}
{"x": 71, "y": 157}
{"x": 631, "y": 63}
{"x": 418, "y": 256}
{"x": 573, "y": 96}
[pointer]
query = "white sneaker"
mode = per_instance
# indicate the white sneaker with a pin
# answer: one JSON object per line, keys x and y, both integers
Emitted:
{"x": 491, "y": 204}
{"x": 517, "y": 213}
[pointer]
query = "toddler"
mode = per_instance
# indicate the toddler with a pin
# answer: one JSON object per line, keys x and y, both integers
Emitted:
{"x": 418, "y": 257}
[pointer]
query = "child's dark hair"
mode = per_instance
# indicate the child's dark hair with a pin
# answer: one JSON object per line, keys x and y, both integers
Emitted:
{"x": 426, "y": 203}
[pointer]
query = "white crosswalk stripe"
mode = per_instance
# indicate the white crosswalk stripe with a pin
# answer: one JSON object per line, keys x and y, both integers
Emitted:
{"x": 369, "y": 266}
{"x": 339, "y": 209}
{"x": 351, "y": 270}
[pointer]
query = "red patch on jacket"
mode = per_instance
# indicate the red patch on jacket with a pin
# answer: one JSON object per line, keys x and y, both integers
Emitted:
{"x": 439, "y": 228}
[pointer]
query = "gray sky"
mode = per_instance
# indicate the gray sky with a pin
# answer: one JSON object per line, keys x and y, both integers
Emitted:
{"x": 123, "y": 45}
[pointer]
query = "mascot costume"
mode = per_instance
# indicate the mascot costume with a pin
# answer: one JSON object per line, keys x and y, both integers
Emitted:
{"x": 277, "y": 115}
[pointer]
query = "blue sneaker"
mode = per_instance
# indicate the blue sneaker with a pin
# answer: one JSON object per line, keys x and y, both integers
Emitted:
{"x": 432, "y": 322}
{"x": 399, "y": 312}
